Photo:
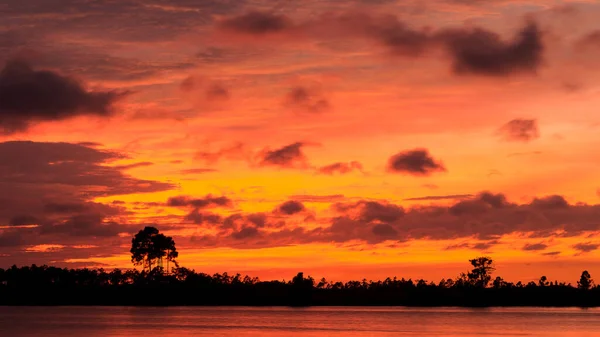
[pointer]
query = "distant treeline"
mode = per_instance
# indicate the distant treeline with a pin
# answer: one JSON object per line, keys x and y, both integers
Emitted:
{"x": 42, "y": 285}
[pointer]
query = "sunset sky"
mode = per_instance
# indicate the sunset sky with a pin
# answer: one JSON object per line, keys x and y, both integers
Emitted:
{"x": 346, "y": 139}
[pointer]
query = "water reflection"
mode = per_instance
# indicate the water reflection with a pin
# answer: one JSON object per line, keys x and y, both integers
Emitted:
{"x": 329, "y": 321}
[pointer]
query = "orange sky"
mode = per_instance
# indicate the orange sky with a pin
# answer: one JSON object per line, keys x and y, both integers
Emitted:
{"x": 345, "y": 139}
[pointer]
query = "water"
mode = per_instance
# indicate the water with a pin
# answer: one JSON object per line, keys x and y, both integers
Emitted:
{"x": 329, "y": 321}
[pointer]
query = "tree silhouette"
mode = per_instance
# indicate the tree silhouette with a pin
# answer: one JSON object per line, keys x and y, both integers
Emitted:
{"x": 483, "y": 267}
{"x": 149, "y": 247}
{"x": 44, "y": 285}
{"x": 585, "y": 282}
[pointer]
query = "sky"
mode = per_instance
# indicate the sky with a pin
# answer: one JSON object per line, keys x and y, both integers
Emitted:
{"x": 345, "y": 139}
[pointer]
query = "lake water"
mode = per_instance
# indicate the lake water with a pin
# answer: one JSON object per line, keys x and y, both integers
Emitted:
{"x": 327, "y": 321}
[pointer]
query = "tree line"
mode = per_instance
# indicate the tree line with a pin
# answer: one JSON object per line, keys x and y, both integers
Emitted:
{"x": 156, "y": 284}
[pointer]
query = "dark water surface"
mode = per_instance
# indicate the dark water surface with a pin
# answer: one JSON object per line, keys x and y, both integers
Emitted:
{"x": 325, "y": 321}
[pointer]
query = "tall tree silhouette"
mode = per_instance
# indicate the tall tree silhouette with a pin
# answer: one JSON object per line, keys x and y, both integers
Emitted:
{"x": 149, "y": 247}
{"x": 585, "y": 282}
{"x": 483, "y": 267}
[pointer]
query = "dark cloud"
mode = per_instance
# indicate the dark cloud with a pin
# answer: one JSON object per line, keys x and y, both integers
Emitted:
{"x": 341, "y": 168}
{"x": 482, "y": 52}
{"x": 464, "y": 245}
{"x": 29, "y": 96}
{"x": 534, "y": 246}
{"x": 416, "y": 162}
{"x": 486, "y": 218}
{"x": 69, "y": 164}
{"x": 484, "y": 202}
{"x": 245, "y": 233}
{"x": 484, "y": 246}
{"x": 257, "y": 23}
{"x": 207, "y": 201}
{"x": 591, "y": 39}
{"x": 188, "y": 84}
{"x": 303, "y": 99}
{"x": 86, "y": 225}
{"x": 23, "y": 220}
{"x": 217, "y": 92}
{"x": 55, "y": 208}
{"x": 586, "y": 247}
{"x": 258, "y": 219}
{"x": 372, "y": 211}
{"x": 440, "y": 197}
{"x": 551, "y": 202}
{"x": 384, "y": 230}
{"x": 475, "y": 51}
{"x": 551, "y": 253}
{"x": 291, "y": 207}
{"x": 48, "y": 192}
{"x": 200, "y": 218}
{"x": 520, "y": 130}
{"x": 394, "y": 34}
{"x": 288, "y": 156}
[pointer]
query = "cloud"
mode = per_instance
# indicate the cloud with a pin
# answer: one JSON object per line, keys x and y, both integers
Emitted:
{"x": 197, "y": 171}
{"x": 236, "y": 151}
{"x": 199, "y": 218}
{"x": 520, "y": 130}
{"x": 303, "y": 99}
{"x": 66, "y": 208}
{"x": 384, "y": 230}
{"x": 289, "y": 156}
{"x": 484, "y": 246}
{"x": 86, "y": 225}
{"x": 475, "y": 51}
{"x": 591, "y": 39}
{"x": 464, "y": 245}
{"x": 212, "y": 91}
{"x": 482, "y": 52}
{"x": 134, "y": 165}
{"x": 534, "y": 246}
{"x": 30, "y": 96}
{"x": 417, "y": 162}
{"x": 397, "y": 36}
{"x": 372, "y": 211}
{"x": 318, "y": 198}
{"x": 217, "y": 92}
{"x": 485, "y": 218}
{"x": 256, "y": 23}
{"x": 291, "y": 207}
{"x": 48, "y": 197}
{"x": 340, "y": 168}
{"x": 586, "y": 247}
{"x": 245, "y": 233}
{"x": 481, "y": 204}
{"x": 207, "y": 201}
{"x": 109, "y": 21}
{"x": 551, "y": 202}
{"x": 440, "y": 197}
{"x": 23, "y": 220}
{"x": 69, "y": 164}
